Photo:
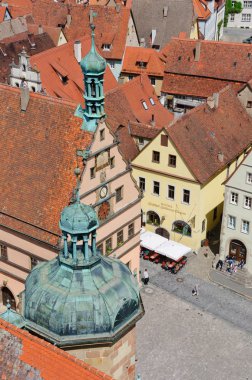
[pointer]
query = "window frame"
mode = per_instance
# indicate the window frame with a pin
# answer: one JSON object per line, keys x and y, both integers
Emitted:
{"x": 249, "y": 178}
{"x": 108, "y": 245}
{"x": 172, "y": 160}
{"x": 155, "y": 153}
{"x": 168, "y": 192}
{"x": 119, "y": 194}
{"x": 230, "y": 224}
{"x": 131, "y": 230}
{"x": 112, "y": 162}
{"x": 157, "y": 186}
{"x": 120, "y": 238}
{"x": 245, "y": 222}
{"x": 3, "y": 252}
{"x": 92, "y": 172}
{"x": 102, "y": 134}
{"x": 247, "y": 202}
{"x": 234, "y": 195}
{"x": 140, "y": 183}
{"x": 184, "y": 195}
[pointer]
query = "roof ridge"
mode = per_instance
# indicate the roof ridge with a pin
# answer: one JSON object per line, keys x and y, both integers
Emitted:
{"x": 211, "y": 42}
{"x": 55, "y": 99}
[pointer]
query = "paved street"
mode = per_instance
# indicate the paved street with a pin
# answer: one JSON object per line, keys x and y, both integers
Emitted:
{"x": 186, "y": 337}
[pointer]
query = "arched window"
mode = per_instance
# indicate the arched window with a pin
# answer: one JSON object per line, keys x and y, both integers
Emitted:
{"x": 182, "y": 228}
{"x": 8, "y": 297}
{"x": 153, "y": 218}
{"x": 162, "y": 232}
{"x": 93, "y": 88}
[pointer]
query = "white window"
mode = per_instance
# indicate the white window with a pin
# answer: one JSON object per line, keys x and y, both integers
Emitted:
{"x": 156, "y": 187}
{"x": 245, "y": 227}
{"x": 106, "y": 47}
{"x": 234, "y": 198}
{"x": 247, "y": 202}
{"x": 246, "y": 17}
{"x": 247, "y": 4}
{"x": 112, "y": 64}
{"x": 232, "y": 17}
{"x": 144, "y": 105}
{"x": 231, "y": 222}
{"x": 186, "y": 196}
{"x": 152, "y": 101}
{"x": 249, "y": 178}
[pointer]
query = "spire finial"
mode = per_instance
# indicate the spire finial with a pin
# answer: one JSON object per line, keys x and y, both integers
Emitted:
{"x": 76, "y": 195}
{"x": 92, "y": 27}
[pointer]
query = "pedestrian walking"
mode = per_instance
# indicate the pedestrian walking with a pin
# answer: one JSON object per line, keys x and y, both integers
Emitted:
{"x": 195, "y": 291}
{"x": 219, "y": 264}
{"x": 146, "y": 277}
{"x": 241, "y": 263}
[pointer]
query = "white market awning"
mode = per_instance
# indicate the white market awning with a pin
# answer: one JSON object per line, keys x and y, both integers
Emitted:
{"x": 163, "y": 246}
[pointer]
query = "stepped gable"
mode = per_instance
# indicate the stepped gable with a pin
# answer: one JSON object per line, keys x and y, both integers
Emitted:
{"x": 25, "y": 356}
{"x": 43, "y": 141}
{"x": 204, "y": 132}
{"x": 32, "y": 44}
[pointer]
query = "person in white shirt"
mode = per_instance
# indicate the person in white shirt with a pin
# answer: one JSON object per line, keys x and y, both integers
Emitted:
{"x": 146, "y": 277}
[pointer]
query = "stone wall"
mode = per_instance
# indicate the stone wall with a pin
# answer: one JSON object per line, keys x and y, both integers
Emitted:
{"x": 117, "y": 361}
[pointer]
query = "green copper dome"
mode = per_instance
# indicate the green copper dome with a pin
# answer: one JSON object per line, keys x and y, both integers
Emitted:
{"x": 78, "y": 218}
{"x": 93, "y": 63}
{"x": 80, "y": 303}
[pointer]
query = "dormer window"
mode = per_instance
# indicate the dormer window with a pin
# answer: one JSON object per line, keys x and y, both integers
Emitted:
{"x": 141, "y": 64}
{"x": 64, "y": 79}
{"x": 152, "y": 102}
{"x": 144, "y": 105}
{"x": 106, "y": 47}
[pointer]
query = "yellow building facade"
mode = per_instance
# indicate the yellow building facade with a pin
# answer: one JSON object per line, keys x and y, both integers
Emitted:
{"x": 175, "y": 204}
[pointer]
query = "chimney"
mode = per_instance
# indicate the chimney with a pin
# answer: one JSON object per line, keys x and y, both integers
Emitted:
{"x": 68, "y": 19}
{"x": 31, "y": 40}
{"x": 153, "y": 36}
{"x": 216, "y": 99}
{"x": 25, "y": 97}
{"x": 153, "y": 123}
{"x": 77, "y": 51}
{"x": 40, "y": 29}
{"x": 165, "y": 11}
{"x": 210, "y": 102}
{"x": 197, "y": 52}
{"x": 220, "y": 156}
{"x": 142, "y": 42}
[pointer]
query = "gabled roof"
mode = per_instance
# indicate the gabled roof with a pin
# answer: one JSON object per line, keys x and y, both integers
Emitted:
{"x": 111, "y": 25}
{"x": 149, "y": 15}
{"x": 193, "y": 85}
{"x": 204, "y": 132}
{"x": 53, "y": 32}
{"x": 134, "y": 55}
{"x": 20, "y": 7}
{"x": 38, "y": 158}
{"x": 143, "y": 130}
{"x": 217, "y": 60}
{"x": 61, "y": 60}
{"x": 9, "y": 51}
{"x": 201, "y": 9}
{"x": 26, "y": 356}
{"x": 12, "y": 27}
{"x": 2, "y": 13}
{"x": 128, "y": 103}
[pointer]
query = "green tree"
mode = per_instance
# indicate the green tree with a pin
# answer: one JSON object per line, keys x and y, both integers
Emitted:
{"x": 231, "y": 8}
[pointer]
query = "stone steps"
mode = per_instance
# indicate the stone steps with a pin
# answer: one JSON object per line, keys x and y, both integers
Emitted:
{"x": 241, "y": 277}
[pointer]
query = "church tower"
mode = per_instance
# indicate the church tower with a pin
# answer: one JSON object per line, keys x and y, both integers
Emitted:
{"x": 83, "y": 302}
{"x": 93, "y": 67}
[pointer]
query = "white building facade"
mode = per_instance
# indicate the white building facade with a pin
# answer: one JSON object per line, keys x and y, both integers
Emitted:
{"x": 236, "y": 229}
{"x": 243, "y": 19}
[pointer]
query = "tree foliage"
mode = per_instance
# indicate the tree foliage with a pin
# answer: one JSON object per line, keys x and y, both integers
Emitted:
{"x": 230, "y": 9}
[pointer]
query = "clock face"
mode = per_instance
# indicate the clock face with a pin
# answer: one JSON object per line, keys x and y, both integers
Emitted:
{"x": 103, "y": 192}
{"x": 104, "y": 210}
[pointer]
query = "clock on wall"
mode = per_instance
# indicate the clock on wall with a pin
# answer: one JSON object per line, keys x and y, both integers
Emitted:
{"x": 103, "y": 192}
{"x": 103, "y": 210}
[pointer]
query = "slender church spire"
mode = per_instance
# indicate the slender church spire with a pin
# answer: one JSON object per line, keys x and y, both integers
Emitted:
{"x": 93, "y": 66}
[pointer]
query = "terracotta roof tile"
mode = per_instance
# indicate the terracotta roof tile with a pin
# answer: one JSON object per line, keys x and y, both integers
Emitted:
{"x": 201, "y": 9}
{"x": 127, "y": 103}
{"x": 204, "y": 132}
{"x": 110, "y": 23}
{"x": 53, "y": 32}
{"x": 62, "y": 60}
{"x": 143, "y": 130}
{"x": 218, "y": 60}
{"x": 2, "y": 13}
{"x": 43, "y": 143}
{"x": 20, "y": 7}
{"x": 12, "y": 49}
{"x": 27, "y": 356}
{"x": 134, "y": 55}
{"x": 192, "y": 85}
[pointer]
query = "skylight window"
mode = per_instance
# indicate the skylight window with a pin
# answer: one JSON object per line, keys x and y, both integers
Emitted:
{"x": 152, "y": 101}
{"x": 144, "y": 105}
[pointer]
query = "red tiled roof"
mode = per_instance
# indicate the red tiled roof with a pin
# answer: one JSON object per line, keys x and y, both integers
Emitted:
{"x": 2, "y": 13}
{"x": 133, "y": 55}
{"x": 126, "y": 103}
{"x": 201, "y": 9}
{"x": 191, "y": 86}
{"x": 39, "y": 147}
{"x": 203, "y": 132}
{"x": 62, "y": 60}
{"x": 111, "y": 25}
{"x": 218, "y": 60}
{"x": 143, "y": 130}
{"x": 53, "y": 32}
{"x": 20, "y": 7}
{"x": 26, "y": 356}
{"x": 12, "y": 49}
